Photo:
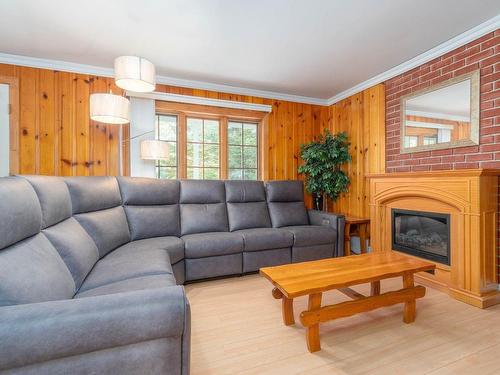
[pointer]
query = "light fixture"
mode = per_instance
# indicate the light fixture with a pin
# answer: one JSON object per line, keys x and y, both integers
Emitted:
{"x": 109, "y": 108}
{"x": 135, "y": 73}
{"x": 154, "y": 150}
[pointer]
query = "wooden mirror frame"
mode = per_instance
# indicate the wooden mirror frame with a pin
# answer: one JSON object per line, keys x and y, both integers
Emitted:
{"x": 474, "y": 114}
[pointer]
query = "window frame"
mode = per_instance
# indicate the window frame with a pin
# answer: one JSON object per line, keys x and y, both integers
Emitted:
{"x": 158, "y": 165}
{"x": 242, "y": 146}
{"x": 184, "y": 111}
{"x": 203, "y": 143}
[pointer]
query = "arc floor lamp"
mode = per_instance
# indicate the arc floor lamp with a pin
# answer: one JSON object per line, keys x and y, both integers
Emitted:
{"x": 132, "y": 73}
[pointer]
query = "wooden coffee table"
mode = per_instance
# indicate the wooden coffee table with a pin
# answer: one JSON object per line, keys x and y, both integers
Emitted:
{"x": 314, "y": 278}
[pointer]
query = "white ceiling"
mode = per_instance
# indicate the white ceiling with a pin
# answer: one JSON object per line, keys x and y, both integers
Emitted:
{"x": 312, "y": 48}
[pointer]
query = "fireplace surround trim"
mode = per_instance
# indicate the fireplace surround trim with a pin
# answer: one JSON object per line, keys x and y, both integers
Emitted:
{"x": 465, "y": 195}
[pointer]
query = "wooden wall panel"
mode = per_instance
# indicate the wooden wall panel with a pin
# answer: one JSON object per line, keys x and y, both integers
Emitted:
{"x": 362, "y": 116}
{"x": 67, "y": 141}
{"x": 58, "y": 138}
{"x": 288, "y": 126}
{"x": 28, "y": 121}
{"x": 47, "y": 123}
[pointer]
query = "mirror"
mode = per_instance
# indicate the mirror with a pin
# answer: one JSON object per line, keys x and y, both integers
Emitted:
{"x": 445, "y": 115}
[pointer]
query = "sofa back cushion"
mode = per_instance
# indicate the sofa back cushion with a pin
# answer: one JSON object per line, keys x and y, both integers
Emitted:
{"x": 285, "y": 201}
{"x": 93, "y": 193}
{"x": 96, "y": 203}
{"x": 203, "y": 207}
{"x": 20, "y": 212}
{"x": 151, "y": 206}
{"x": 31, "y": 270}
{"x": 246, "y": 205}
{"x": 54, "y": 198}
{"x": 75, "y": 246}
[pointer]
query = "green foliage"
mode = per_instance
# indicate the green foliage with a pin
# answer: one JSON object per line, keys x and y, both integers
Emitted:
{"x": 323, "y": 160}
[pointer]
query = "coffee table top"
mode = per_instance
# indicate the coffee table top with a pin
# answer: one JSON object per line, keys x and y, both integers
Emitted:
{"x": 299, "y": 279}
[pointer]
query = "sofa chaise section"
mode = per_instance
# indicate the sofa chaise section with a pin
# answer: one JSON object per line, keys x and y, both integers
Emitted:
{"x": 52, "y": 243}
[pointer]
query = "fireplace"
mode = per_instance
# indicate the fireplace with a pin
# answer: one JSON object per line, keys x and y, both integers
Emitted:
{"x": 423, "y": 234}
{"x": 467, "y": 270}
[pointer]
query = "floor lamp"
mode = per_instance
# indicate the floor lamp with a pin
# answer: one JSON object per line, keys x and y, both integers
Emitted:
{"x": 132, "y": 73}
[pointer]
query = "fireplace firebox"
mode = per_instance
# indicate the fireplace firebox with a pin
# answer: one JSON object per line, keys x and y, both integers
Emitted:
{"x": 423, "y": 234}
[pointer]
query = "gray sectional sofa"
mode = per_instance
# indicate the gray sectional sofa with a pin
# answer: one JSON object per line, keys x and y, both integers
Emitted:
{"x": 91, "y": 267}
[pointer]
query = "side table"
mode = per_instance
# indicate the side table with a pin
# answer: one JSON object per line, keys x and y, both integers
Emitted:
{"x": 358, "y": 226}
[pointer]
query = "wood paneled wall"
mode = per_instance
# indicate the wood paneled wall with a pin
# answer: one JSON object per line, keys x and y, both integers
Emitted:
{"x": 57, "y": 137}
{"x": 362, "y": 116}
{"x": 289, "y": 125}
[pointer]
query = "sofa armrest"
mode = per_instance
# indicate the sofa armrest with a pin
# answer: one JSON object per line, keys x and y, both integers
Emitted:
{"x": 332, "y": 220}
{"x": 39, "y": 332}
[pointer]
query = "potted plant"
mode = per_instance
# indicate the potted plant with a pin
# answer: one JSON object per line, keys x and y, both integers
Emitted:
{"x": 323, "y": 160}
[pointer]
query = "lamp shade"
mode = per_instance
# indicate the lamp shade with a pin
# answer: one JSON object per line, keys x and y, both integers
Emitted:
{"x": 154, "y": 150}
{"x": 109, "y": 108}
{"x": 135, "y": 73}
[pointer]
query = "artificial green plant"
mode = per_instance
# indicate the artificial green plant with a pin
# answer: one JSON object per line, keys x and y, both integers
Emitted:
{"x": 323, "y": 160}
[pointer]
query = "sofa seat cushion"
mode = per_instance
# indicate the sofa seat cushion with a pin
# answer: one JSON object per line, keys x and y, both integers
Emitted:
{"x": 127, "y": 262}
{"x": 257, "y": 239}
{"x": 202, "y": 245}
{"x": 130, "y": 285}
{"x": 174, "y": 246}
{"x": 309, "y": 235}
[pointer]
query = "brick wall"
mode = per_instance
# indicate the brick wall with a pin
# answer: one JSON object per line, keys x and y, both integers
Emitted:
{"x": 483, "y": 54}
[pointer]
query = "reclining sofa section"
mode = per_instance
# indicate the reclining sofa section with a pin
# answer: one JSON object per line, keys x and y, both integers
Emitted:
{"x": 90, "y": 267}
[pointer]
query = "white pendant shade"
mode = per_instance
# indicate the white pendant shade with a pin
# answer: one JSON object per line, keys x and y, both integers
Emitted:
{"x": 109, "y": 108}
{"x": 135, "y": 73}
{"x": 154, "y": 150}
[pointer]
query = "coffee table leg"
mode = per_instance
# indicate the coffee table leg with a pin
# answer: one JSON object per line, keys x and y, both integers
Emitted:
{"x": 286, "y": 307}
{"x": 410, "y": 307}
{"x": 287, "y": 311}
{"x": 375, "y": 288}
{"x": 312, "y": 332}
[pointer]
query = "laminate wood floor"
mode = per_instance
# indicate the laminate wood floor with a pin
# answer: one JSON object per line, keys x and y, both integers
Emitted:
{"x": 237, "y": 329}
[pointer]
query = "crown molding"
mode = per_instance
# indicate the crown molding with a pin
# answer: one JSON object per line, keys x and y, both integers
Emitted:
{"x": 166, "y": 97}
{"x": 65, "y": 66}
{"x": 468, "y": 36}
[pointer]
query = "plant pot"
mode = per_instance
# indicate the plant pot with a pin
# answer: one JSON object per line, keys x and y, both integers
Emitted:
{"x": 318, "y": 202}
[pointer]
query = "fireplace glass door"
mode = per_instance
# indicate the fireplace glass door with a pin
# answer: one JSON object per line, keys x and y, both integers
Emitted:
{"x": 423, "y": 234}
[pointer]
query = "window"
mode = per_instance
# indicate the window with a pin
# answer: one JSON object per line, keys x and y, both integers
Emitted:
{"x": 210, "y": 142}
{"x": 411, "y": 141}
{"x": 242, "y": 150}
{"x": 430, "y": 140}
{"x": 203, "y": 149}
{"x": 166, "y": 130}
